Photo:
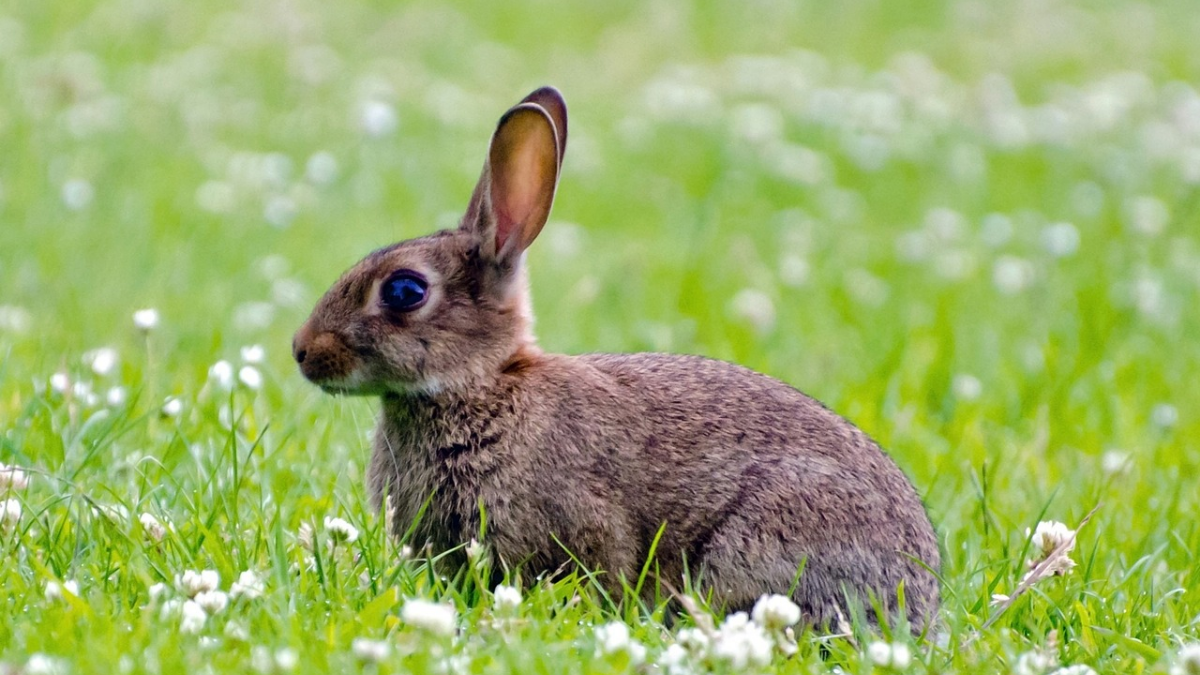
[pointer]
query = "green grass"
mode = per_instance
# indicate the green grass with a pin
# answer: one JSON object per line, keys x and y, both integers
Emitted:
{"x": 885, "y": 176}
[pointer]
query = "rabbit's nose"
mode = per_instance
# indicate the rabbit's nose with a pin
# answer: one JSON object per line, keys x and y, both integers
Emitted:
{"x": 299, "y": 345}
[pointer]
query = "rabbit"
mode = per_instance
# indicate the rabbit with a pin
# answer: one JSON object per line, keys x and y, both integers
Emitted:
{"x": 757, "y": 488}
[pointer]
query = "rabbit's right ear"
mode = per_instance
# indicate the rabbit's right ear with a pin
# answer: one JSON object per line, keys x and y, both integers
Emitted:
{"x": 516, "y": 190}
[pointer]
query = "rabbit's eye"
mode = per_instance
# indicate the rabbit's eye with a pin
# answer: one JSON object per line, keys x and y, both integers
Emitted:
{"x": 404, "y": 291}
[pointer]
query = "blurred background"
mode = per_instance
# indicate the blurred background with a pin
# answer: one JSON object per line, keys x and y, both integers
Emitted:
{"x": 971, "y": 227}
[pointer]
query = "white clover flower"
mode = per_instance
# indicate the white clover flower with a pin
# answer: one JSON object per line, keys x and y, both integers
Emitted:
{"x": 250, "y": 377}
{"x": 1075, "y": 670}
{"x": 895, "y": 655}
{"x": 775, "y": 612}
{"x": 116, "y": 396}
{"x": 286, "y": 659}
{"x": 191, "y": 582}
{"x": 213, "y": 602}
{"x": 249, "y": 585}
{"x": 1049, "y": 535}
{"x": 1033, "y": 663}
{"x": 304, "y": 536}
{"x": 146, "y": 319}
{"x": 694, "y": 640}
{"x": 157, "y": 592}
{"x": 153, "y": 528}
{"x": 1011, "y": 274}
{"x": 754, "y": 307}
{"x": 102, "y": 361}
{"x": 434, "y": 617}
{"x": 321, "y": 168}
{"x": 60, "y": 383}
{"x": 1061, "y": 239}
{"x": 221, "y": 373}
{"x": 1187, "y": 661}
{"x": 172, "y": 407}
{"x": 1147, "y": 215}
{"x": 340, "y": 531}
{"x": 10, "y": 513}
{"x": 13, "y": 478}
{"x": 54, "y": 589}
{"x": 614, "y": 638}
{"x": 506, "y": 598}
{"x": 14, "y": 319}
{"x": 378, "y": 118}
{"x": 742, "y": 644}
{"x": 966, "y": 387}
{"x": 675, "y": 660}
{"x": 192, "y": 617}
{"x": 77, "y": 194}
{"x": 40, "y": 664}
{"x": 253, "y": 353}
{"x": 371, "y": 651}
{"x": 236, "y": 630}
{"x": 1114, "y": 462}
{"x": 1164, "y": 415}
{"x": 260, "y": 660}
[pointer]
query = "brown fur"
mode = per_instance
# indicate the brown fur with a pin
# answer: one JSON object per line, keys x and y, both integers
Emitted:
{"x": 751, "y": 478}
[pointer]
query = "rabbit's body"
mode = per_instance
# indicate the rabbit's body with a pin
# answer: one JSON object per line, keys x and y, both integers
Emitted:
{"x": 752, "y": 479}
{"x": 749, "y": 480}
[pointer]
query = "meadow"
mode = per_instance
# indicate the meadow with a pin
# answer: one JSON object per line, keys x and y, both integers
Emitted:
{"x": 972, "y": 228}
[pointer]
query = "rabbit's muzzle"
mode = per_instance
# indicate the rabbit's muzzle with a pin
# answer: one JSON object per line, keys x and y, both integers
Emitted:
{"x": 324, "y": 359}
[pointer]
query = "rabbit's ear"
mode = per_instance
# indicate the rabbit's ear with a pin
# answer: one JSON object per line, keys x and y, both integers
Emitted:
{"x": 513, "y": 198}
{"x": 554, "y": 105}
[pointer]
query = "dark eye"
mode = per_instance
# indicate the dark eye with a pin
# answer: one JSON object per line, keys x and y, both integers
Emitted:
{"x": 404, "y": 291}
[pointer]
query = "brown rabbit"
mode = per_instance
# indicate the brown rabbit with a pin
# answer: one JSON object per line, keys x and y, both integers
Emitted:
{"x": 594, "y": 454}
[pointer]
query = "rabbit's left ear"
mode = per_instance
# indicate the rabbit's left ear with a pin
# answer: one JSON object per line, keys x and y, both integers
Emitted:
{"x": 512, "y": 201}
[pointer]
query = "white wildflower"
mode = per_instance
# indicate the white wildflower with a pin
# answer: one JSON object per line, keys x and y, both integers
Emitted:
{"x": 1114, "y": 462}
{"x": 1033, "y": 663}
{"x": 10, "y": 513}
{"x": 340, "y": 531}
{"x": 1147, "y": 215}
{"x": 236, "y": 630}
{"x": 995, "y": 229}
{"x": 614, "y": 638}
{"x": 475, "y": 551}
{"x": 192, "y": 617}
{"x": 742, "y": 643}
{"x": 1164, "y": 415}
{"x": 694, "y": 640}
{"x": 1049, "y": 535}
{"x": 102, "y": 361}
{"x": 321, "y": 168}
{"x": 113, "y": 513}
{"x": 60, "y": 383}
{"x": 1012, "y": 275}
{"x": 250, "y": 377}
{"x": 754, "y": 307}
{"x": 172, "y": 407}
{"x": 146, "y": 319}
{"x": 286, "y": 659}
{"x": 506, "y": 598}
{"x": 40, "y": 664}
{"x": 213, "y": 602}
{"x": 371, "y": 651}
{"x": 1187, "y": 661}
{"x": 253, "y": 353}
{"x": 54, "y": 589}
{"x": 221, "y": 373}
{"x": 191, "y": 582}
{"x": 895, "y": 655}
{"x": 966, "y": 387}
{"x": 116, "y": 396}
{"x": 434, "y": 617}
{"x": 1075, "y": 670}
{"x": 775, "y": 612}
{"x": 13, "y": 478}
{"x": 1061, "y": 239}
{"x": 249, "y": 585}
{"x": 304, "y": 536}
{"x": 77, "y": 194}
{"x": 378, "y": 118}
{"x": 675, "y": 660}
{"x": 157, "y": 592}
{"x": 14, "y": 319}
{"x": 153, "y": 528}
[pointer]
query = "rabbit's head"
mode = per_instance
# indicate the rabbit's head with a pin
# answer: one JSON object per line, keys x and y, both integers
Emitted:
{"x": 444, "y": 310}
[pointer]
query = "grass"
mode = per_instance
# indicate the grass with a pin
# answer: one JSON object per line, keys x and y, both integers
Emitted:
{"x": 866, "y": 200}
